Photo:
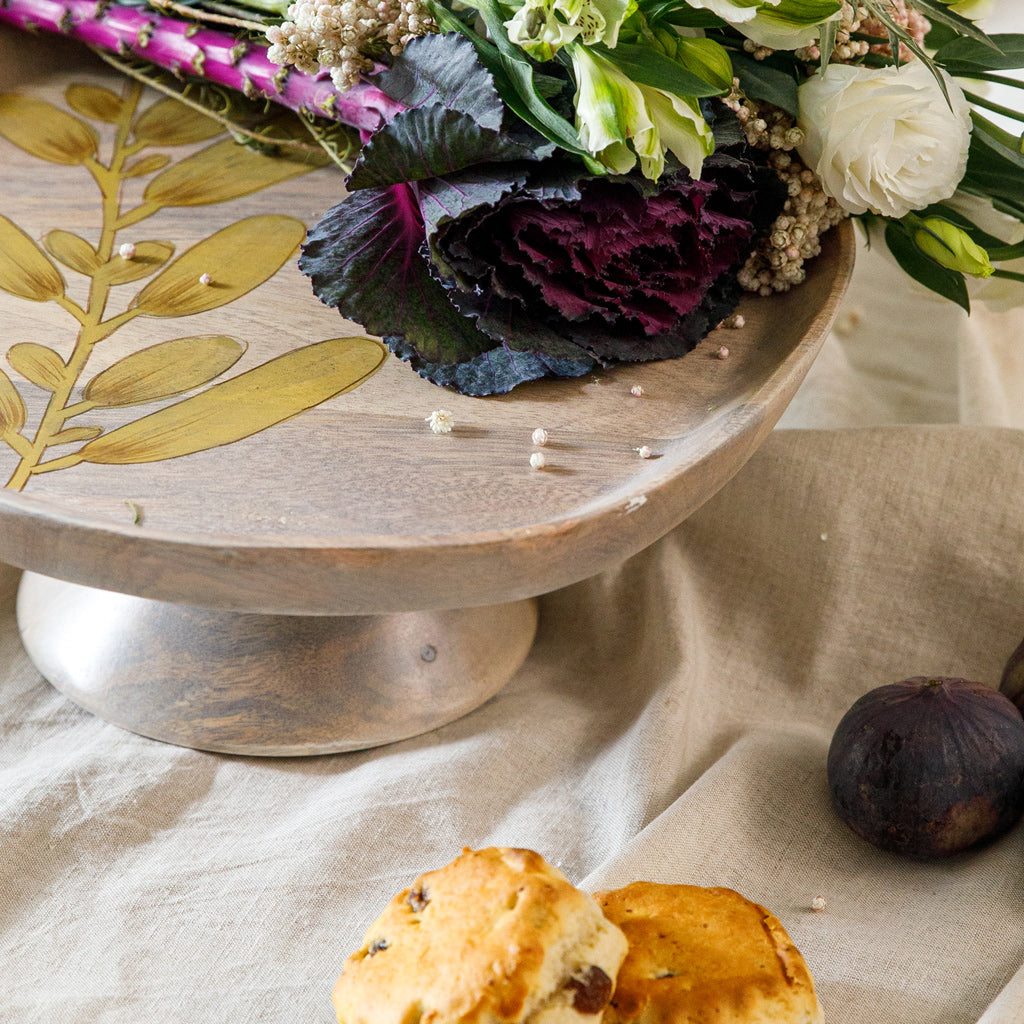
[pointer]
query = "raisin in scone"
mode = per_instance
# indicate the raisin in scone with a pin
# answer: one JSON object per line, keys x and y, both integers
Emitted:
{"x": 704, "y": 956}
{"x": 496, "y": 937}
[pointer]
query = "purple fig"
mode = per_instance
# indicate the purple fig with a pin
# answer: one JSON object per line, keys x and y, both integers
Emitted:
{"x": 929, "y": 766}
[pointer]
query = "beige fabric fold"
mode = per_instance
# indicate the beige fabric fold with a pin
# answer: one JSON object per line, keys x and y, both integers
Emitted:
{"x": 671, "y": 722}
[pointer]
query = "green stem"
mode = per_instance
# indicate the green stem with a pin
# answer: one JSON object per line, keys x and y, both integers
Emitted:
{"x": 1008, "y": 275}
{"x": 997, "y": 108}
{"x": 988, "y": 76}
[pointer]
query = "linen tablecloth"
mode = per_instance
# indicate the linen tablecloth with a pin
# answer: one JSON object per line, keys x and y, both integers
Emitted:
{"x": 670, "y": 723}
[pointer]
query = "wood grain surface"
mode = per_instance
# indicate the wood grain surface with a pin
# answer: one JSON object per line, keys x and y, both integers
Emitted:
{"x": 355, "y": 506}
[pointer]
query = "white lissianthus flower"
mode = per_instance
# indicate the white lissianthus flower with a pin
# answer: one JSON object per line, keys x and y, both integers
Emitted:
{"x": 884, "y": 139}
{"x": 620, "y": 120}
{"x": 779, "y": 28}
{"x": 733, "y": 12}
{"x": 542, "y": 27}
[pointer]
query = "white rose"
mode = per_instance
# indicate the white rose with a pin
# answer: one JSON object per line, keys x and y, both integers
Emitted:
{"x": 884, "y": 139}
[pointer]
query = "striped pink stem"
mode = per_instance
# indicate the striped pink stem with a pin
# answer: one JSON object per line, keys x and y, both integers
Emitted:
{"x": 180, "y": 46}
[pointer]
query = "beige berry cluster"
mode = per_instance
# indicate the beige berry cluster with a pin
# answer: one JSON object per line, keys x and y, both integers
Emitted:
{"x": 851, "y": 19}
{"x": 777, "y": 262}
{"x": 346, "y": 37}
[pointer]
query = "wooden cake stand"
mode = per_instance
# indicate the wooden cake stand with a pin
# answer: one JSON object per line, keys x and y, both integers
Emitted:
{"x": 240, "y": 532}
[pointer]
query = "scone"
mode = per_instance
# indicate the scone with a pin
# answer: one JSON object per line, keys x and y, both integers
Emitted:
{"x": 496, "y": 937}
{"x": 704, "y": 956}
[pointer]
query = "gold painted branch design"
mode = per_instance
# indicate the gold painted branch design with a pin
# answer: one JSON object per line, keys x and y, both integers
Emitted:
{"x": 214, "y": 272}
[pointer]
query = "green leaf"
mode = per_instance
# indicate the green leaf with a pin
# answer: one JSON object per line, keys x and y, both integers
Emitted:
{"x": 646, "y": 66}
{"x": 963, "y": 56}
{"x": 514, "y": 75}
{"x": 677, "y": 12}
{"x": 766, "y": 82}
{"x": 706, "y": 59}
{"x": 998, "y": 139}
{"x": 939, "y": 13}
{"x": 428, "y": 142}
{"x": 947, "y": 283}
{"x": 827, "y": 41}
{"x": 800, "y": 13}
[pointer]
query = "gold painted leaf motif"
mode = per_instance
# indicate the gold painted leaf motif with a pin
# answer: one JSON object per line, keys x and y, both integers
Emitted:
{"x": 94, "y": 101}
{"x": 148, "y": 258}
{"x": 171, "y": 123}
{"x": 38, "y": 364}
{"x": 146, "y": 165}
{"x": 12, "y": 408}
{"x": 45, "y": 131}
{"x": 73, "y": 434}
{"x": 237, "y": 259}
{"x": 165, "y": 369}
{"x": 245, "y": 405}
{"x": 25, "y": 270}
{"x": 222, "y": 172}
{"x": 73, "y": 251}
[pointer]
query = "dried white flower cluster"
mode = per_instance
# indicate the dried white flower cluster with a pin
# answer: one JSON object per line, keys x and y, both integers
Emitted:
{"x": 346, "y": 37}
{"x": 777, "y": 262}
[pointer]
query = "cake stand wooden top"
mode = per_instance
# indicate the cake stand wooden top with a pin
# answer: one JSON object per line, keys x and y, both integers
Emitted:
{"x": 355, "y": 505}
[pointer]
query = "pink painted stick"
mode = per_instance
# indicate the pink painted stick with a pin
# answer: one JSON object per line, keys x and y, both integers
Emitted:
{"x": 180, "y": 46}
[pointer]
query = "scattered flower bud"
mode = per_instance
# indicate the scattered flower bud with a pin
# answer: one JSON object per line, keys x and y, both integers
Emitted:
{"x": 205, "y": 279}
{"x": 818, "y": 903}
{"x": 722, "y": 353}
{"x": 126, "y": 250}
{"x": 540, "y": 436}
{"x": 441, "y": 421}
{"x": 644, "y": 451}
{"x": 637, "y": 391}
{"x": 537, "y": 460}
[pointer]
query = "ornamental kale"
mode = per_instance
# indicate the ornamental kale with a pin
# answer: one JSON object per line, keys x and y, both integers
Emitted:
{"x": 486, "y": 261}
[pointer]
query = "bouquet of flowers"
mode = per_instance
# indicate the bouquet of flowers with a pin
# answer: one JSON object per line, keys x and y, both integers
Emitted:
{"x": 539, "y": 187}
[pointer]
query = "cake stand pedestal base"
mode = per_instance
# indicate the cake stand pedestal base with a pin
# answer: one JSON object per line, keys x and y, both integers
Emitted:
{"x": 272, "y": 685}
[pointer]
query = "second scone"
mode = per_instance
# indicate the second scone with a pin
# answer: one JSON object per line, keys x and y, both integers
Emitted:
{"x": 704, "y": 956}
{"x": 496, "y": 937}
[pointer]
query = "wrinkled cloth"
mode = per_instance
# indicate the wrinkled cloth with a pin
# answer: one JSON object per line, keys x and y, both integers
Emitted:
{"x": 671, "y": 723}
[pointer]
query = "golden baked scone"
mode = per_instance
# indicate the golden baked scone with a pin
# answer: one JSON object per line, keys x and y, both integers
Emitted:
{"x": 704, "y": 956}
{"x": 496, "y": 937}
